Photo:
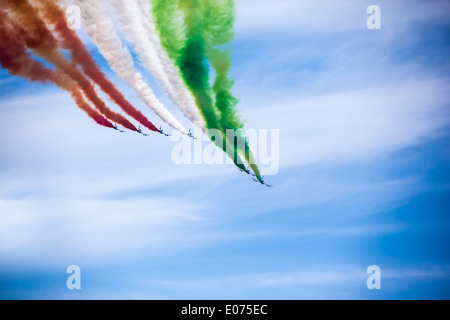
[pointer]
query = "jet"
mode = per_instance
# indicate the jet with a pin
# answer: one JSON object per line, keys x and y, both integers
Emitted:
{"x": 140, "y": 131}
{"x": 250, "y": 173}
{"x": 191, "y": 136}
{"x": 247, "y": 171}
{"x": 263, "y": 182}
{"x": 117, "y": 129}
{"x": 162, "y": 132}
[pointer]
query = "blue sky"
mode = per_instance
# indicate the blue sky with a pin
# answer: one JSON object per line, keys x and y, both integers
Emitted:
{"x": 364, "y": 152}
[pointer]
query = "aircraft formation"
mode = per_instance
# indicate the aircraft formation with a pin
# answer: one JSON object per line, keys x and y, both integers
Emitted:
{"x": 262, "y": 182}
{"x": 37, "y": 44}
{"x": 160, "y": 131}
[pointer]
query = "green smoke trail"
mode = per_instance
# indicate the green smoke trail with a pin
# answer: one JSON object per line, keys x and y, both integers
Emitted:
{"x": 169, "y": 24}
{"x": 218, "y": 32}
{"x": 189, "y": 54}
{"x": 195, "y": 71}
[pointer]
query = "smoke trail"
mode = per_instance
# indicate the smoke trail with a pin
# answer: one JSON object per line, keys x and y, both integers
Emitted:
{"x": 190, "y": 59}
{"x": 218, "y": 21}
{"x": 69, "y": 40}
{"x": 87, "y": 87}
{"x": 187, "y": 51}
{"x": 170, "y": 28}
{"x": 196, "y": 74}
{"x": 35, "y": 35}
{"x": 15, "y": 58}
{"x": 177, "y": 90}
{"x": 101, "y": 30}
{"x": 132, "y": 23}
{"x": 169, "y": 24}
{"x": 218, "y": 32}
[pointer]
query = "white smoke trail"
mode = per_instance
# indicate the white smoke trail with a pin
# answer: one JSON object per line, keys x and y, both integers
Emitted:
{"x": 101, "y": 30}
{"x": 138, "y": 24}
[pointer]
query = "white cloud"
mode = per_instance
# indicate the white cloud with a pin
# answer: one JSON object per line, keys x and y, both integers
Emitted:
{"x": 59, "y": 197}
{"x": 262, "y": 16}
{"x": 70, "y": 190}
{"x": 46, "y": 232}
{"x": 330, "y": 282}
{"x": 356, "y": 125}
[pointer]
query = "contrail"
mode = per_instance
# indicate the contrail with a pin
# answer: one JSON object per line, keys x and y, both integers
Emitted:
{"x": 15, "y": 58}
{"x": 218, "y": 32}
{"x": 175, "y": 89}
{"x": 69, "y": 40}
{"x": 101, "y": 30}
{"x": 36, "y": 36}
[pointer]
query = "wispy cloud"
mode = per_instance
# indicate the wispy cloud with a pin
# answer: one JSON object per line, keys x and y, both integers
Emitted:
{"x": 336, "y": 282}
{"x": 332, "y": 16}
{"x": 90, "y": 231}
{"x": 358, "y": 124}
{"x": 348, "y": 103}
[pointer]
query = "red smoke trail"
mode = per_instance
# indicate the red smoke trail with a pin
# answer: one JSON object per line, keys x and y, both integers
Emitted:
{"x": 53, "y": 13}
{"x": 15, "y": 58}
{"x": 88, "y": 89}
{"x": 35, "y": 35}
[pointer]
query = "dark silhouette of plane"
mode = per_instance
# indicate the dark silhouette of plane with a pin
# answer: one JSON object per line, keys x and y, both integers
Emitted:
{"x": 263, "y": 182}
{"x": 117, "y": 129}
{"x": 247, "y": 171}
{"x": 140, "y": 131}
{"x": 191, "y": 136}
{"x": 162, "y": 132}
